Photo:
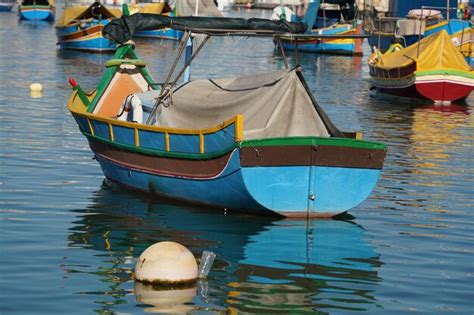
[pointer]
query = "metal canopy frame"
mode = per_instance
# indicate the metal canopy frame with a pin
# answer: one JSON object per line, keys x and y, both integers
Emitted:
{"x": 167, "y": 87}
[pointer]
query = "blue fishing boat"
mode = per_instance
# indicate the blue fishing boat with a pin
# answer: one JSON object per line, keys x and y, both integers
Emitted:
{"x": 156, "y": 8}
{"x": 181, "y": 8}
{"x": 320, "y": 24}
{"x": 80, "y": 27}
{"x": 406, "y": 22}
{"x": 257, "y": 143}
{"x": 37, "y": 10}
{"x": 6, "y": 5}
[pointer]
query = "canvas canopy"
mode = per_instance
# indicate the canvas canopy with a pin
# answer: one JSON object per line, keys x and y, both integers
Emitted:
{"x": 435, "y": 52}
{"x": 121, "y": 30}
{"x": 72, "y": 14}
{"x": 274, "y": 104}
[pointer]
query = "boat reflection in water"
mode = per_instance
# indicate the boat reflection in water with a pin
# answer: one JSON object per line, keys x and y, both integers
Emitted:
{"x": 262, "y": 264}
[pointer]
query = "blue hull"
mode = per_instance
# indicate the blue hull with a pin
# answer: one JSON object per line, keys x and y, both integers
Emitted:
{"x": 94, "y": 45}
{"x": 329, "y": 46}
{"x": 254, "y": 189}
{"x": 6, "y": 7}
{"x": 36, "y": 15}
{"x": 88, "y": 37}
{"x": 322, "y": 48}
{"x": 161, "y": 34}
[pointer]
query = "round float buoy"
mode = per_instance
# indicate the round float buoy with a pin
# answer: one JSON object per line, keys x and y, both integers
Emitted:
{"x": 36, "y": 87}
{"x": 166, "y": 263}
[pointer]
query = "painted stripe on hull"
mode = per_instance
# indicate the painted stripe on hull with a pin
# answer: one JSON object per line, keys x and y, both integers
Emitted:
{"x": 225, "y": 191}
{"x": 156, "y": 165}
{"x": 316, "y": 155}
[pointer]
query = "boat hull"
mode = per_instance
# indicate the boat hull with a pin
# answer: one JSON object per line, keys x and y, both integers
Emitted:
{"x": 36, "y": 13}
{"x": 444, "y": 88}
{"x": 87, "y": 37}
{"x": 436, "y": 86}
{"x": 341, "y": 46}
{"x": 283, "y": 184}
{"x": 5, "y": 7}
{"x": 161, "y": 34}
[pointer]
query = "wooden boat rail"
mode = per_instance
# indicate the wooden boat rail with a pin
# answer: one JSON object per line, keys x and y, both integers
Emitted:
{"x": 170, "y": 140}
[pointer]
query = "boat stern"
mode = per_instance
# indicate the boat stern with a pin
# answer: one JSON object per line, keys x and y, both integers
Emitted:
{"x": 315, "y": 177}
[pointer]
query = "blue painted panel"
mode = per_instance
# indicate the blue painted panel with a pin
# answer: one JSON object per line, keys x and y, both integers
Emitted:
{"x": 101, "y": 129}
{"x": 340, "y": 189}
{"x": 219, "y": 141}
{"x": 184, "y": 143}
{"x": 286, "y": 188}
{"x": 83, "y": 125}
{"x": 322, "y": 47}
{"x": 163, "y": 34}
{"x": 38, "y": 15}
{"x": 124, "y": 135}
{"x": 152, "y": 140}
{"x": 279, "y": 188}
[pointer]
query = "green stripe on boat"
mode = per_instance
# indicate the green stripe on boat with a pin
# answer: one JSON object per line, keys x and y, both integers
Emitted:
{"x": 291, "y": 141}
{"x": 466, "y": 74}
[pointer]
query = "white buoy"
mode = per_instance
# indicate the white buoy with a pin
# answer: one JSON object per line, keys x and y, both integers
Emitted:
{"x": 167, "y": 263}
{"x": 36, "y": 87}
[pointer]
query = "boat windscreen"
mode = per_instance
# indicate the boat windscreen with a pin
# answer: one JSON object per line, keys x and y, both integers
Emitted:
{"x": 121, "y": 30}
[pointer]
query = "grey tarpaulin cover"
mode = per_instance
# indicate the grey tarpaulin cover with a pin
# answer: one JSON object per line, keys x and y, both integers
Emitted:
{"x": 274, "y": 104}
{"x": 121, "y": 30}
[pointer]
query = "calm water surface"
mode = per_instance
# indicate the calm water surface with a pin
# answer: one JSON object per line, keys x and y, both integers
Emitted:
{"x": 69, "y": 242}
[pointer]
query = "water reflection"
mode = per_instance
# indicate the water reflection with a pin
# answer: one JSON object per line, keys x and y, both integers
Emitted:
{"x": 435, "y": 128}
{"x": 261, "y": 265}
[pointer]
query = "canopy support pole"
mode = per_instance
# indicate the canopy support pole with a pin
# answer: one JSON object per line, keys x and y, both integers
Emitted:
{"x": 190, "y": 60}
{"x": 164, "y": 92}
{"x": 285, "y": 60}
{"x": 296, "y": 51}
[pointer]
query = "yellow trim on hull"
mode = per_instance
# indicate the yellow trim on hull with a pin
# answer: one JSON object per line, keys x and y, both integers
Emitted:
{"x": 74, "y": 106}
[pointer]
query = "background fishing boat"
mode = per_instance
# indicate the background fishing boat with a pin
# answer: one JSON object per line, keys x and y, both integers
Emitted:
{"x": 80, "y": 27}
{"x": 433, "y": 69}
{"x": 257, "y": 143}
{"x": 327, "y": 18}
{"x": 6, "y": 5}
{"x": 37, "y": 10}
{"x": 180, "y": 8}
{"x": 406, "y": 22}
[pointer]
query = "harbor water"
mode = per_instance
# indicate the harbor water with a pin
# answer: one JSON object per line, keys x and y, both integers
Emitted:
{"x": 69, "y": 241}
